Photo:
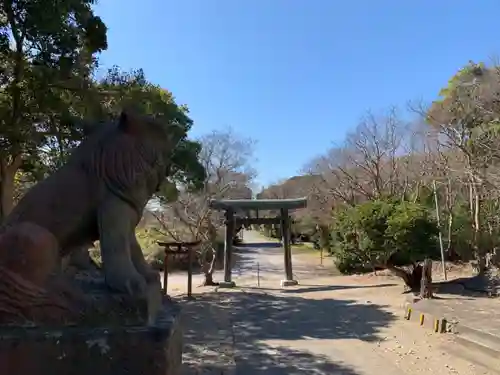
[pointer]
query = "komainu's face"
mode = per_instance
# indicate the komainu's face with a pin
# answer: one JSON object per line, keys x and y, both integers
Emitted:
{"x": 165, "y": 135}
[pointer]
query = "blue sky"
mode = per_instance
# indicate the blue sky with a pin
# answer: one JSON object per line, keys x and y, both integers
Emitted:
{"x": 296, "y": 75}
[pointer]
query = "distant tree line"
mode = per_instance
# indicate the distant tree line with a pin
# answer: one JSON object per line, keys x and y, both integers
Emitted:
{"x": 372, "y": 200}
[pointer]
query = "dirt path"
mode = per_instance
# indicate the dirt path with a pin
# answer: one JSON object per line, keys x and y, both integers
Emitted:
{"x": 341, "y": 328}
{"x": 354, "y": 328}
{"x": 208, "y": 336}
{"x": 334, "y": 325}
{"x": 263, "y": 257}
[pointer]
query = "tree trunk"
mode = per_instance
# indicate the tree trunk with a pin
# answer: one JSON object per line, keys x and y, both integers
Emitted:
{"x": 208, "y": 272}
{"x": 417, "y": 193}
{"x": 7, "y": 183}
{"x": 208, "y": 268}
{"x": 450, "y": 253}
{"x": 478, "y": 251}
{"x": 471, "y": 198}
{"x": 411, "y": 278}
{"x": 426, "y": 281}
{"x": 209, "y": 280}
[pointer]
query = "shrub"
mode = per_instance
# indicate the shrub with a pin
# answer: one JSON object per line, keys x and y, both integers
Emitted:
{"x": 411, "y": 233}
{"x": 368, "y": 235}
{"x": 304, "y": 229}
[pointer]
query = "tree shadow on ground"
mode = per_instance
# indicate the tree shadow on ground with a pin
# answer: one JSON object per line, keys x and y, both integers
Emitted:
{"x": 260, "y": 245}
{"x": 473, "y": 286}
{"x": 280, "y": 360}
{"x": 208, "y": 348}
{"x": 325, "y": 288}
{"x": 304, "y": 288}
{"x": 259, "y": 317}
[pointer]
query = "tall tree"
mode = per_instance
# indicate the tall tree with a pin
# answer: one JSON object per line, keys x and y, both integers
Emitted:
{"x": 466, "y": 115}
{"x": 102, "y": 102}
{"x": 41, "y": 45}
{"x": 366, "y": 165}
{"x": 226, "y": 158}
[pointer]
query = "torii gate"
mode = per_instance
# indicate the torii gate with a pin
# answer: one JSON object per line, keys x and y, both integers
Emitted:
{"x": 247, "y": 205}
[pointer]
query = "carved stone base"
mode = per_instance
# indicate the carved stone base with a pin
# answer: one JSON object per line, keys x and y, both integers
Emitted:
{"x": 103, "y": 307}
{"x": 227, "y": 284}
{"x": 154, "y": 349}
{"x": 289, "y": 283}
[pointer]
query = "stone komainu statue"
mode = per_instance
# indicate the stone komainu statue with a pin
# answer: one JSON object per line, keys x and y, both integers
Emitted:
{"x": 99, "y": 194}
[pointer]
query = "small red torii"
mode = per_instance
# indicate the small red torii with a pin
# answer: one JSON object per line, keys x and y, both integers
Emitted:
{"x": 174, "y": 248}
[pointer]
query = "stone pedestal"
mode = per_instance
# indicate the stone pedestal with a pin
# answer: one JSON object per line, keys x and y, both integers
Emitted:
{"x": 289, "y": 283}
{"x": 154, "y": 350}
{"x": 115, "y": 336}
{"x": 227, "y": 284}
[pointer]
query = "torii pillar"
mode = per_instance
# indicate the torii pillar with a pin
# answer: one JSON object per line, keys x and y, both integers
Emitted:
{"x": 283, "y": 205}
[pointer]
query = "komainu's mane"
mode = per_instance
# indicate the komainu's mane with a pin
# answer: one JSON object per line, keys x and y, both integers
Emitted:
{"x": 123, "y": 162}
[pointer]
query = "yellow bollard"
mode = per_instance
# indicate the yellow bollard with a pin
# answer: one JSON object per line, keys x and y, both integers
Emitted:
{"x": 436, "y": 325}
{"x": 408, "y": 313}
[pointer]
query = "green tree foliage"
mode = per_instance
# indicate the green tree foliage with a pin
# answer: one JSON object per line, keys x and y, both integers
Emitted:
{"x": 131, "y": 89}
{"x": 466, "y": 113}
{"x": 103, "y": 102}
{"x": 46, "y": 48}
{"x": 367, "y": 235}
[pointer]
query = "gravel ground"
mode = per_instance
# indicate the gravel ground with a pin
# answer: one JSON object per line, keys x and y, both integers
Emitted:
{"x": 327, "y": 325}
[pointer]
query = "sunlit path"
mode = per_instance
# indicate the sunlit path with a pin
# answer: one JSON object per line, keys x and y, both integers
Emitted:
{"x": 262, "y": 257}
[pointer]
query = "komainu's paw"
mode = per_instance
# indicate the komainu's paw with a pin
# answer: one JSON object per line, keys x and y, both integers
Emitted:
{"x": 127, "y": 281}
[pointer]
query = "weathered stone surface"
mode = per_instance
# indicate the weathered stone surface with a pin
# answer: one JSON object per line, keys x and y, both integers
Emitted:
{"x": 29, "y": 250}
{"x": 29, "y": 255}
{"x": 54, "y": 320}
{"x": 23, "y": 303}
{"x": 285, "y": 283}
{"x": 98, "y": 194}
{"x": 80, "y": 299}
{"x": 103, "y": 307}
{"x": 114, "y": 350}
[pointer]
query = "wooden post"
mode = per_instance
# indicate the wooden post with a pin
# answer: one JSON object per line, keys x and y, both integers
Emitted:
{"x": 287, "y": 250}
{"x": 258, "y": 274}
{"x": 228, "y": 249}
{"x": 190, "y": 272}
{"x": 165, "y": 272}
{"x": 179, "y": 248}
{"x": 426, "y": 282}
